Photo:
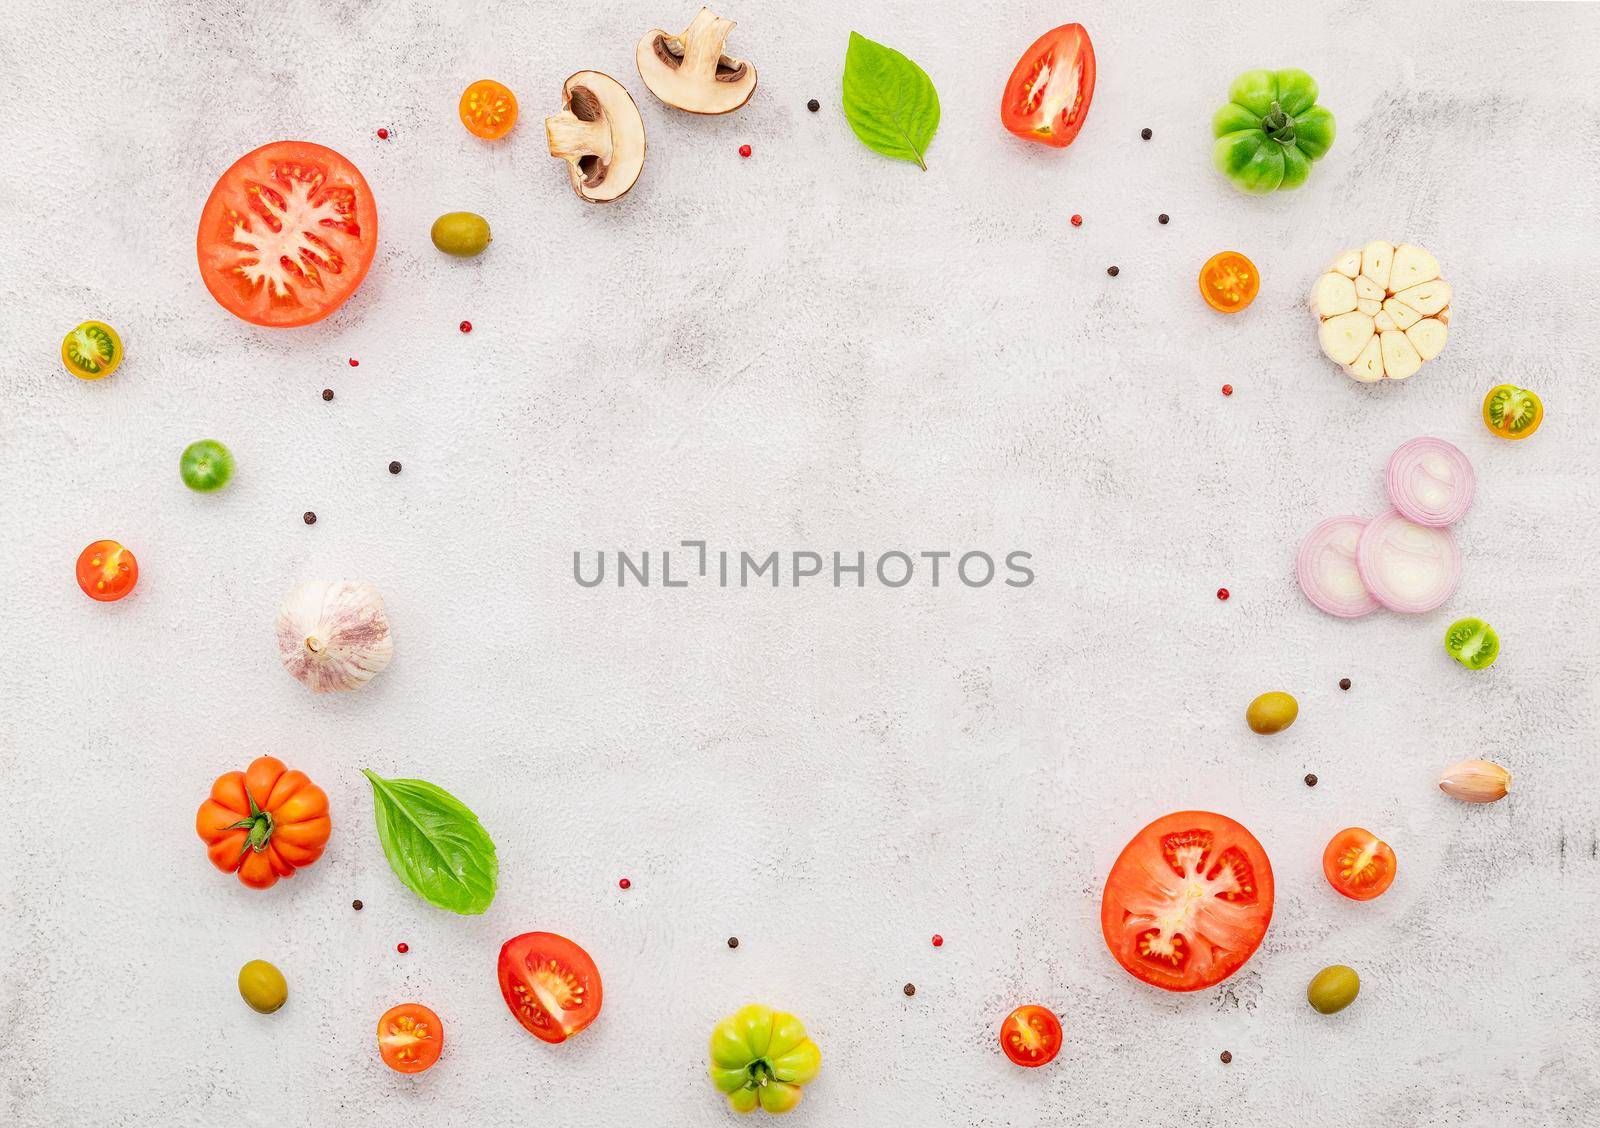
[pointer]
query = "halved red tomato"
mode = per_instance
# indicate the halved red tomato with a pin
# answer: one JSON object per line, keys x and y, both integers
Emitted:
{"x": 550, "y": 984}
{"x": 1358, "y": 864}
{"x": 287, "y": 234}
{"x": 1048, "y": 94}
{"x": 410, "y": 1038}
{"x": 1188, "y": 901}
{"x": 1031, "y": 1036}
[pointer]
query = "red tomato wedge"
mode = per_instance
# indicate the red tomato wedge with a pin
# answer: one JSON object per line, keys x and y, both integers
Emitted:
{"x": 1048, "y": 94}
{"x": 1188, "y": 901}
{"x": 550, "y": 984}
{"x": 287, "y": 234}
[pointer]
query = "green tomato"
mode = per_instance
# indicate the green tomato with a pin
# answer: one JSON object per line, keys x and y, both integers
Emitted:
{"x": 206, "y": 465}
{"x": 463, "y": 234}
{"x": 1333, "y": 988}
{"x": 263, "y": 986}
{"x": 761, "y": 1057}
{"x": 1270, "y": 131}
{"x": 1473, "y": 643}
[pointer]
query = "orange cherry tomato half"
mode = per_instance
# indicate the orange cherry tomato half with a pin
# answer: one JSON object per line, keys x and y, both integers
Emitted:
{"x": 410, "y": 1038}
{"x": 1358, "y": 864}
{"x": 1229, "y": 282}
{"x": 1512, "y": 412}
{"x": 1048, "y": 94}
{"x": 287, "y": 234}
{"x": 1031, "y": 1036}
{"x": 1187, "y": 901}
{"x": 550, "y": 984}
{"x": 488, "y": 109}
{"x": 107, "y": 571}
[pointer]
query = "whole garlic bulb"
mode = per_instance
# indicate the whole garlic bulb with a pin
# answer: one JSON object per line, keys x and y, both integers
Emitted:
{"x": 334, "y": 635}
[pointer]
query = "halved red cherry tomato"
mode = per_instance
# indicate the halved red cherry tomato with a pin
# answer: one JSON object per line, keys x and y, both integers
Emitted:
{"x": 488, "y": 109}
{"x": 287, "y": 234}
{"x": 1358, "y": 864}
{"x": 1031, "y": 1036}
{"x": 1048, "y": 94}
{"x": 1188, "y": 901}
{"x": 107, "y": 571}
{"x": 550, "y": 984}
{"x": 1229, "y": 282}
{"x": 410, "y": 1038}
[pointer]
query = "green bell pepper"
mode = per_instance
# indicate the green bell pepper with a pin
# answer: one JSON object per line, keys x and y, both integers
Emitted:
{"x": 761, "y": 1057}
{"x": 1270, "y": 131}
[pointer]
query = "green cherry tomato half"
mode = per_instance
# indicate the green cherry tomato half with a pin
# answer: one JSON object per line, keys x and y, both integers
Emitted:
{"x": 760, "y": 1058}
{"x": 1270, "y": 131}
{"x": 92, "y": 351}
{"x": 1473, "y": 643}
{"x": 463, "y": 234}
{"x": 206, "y": 465}
{"x": 1512, "y": 412}
{"x": 263, "y": 986}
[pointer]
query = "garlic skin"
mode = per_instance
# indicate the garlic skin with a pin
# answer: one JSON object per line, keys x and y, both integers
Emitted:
{"x": 334, "y": 635}
{"x": 1475, "y": 781}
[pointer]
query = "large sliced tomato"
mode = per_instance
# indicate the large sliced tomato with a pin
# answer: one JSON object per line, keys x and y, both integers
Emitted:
{"x": 1048, "y": 94}
{"x": 1187, "y": 901}
{"x": 287, "y": 234}
{"x": 550, "y": 984}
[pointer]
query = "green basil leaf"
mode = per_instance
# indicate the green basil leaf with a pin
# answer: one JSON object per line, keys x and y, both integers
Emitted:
{"x": 434, "y": 844}
{"x": 889, "y": 101}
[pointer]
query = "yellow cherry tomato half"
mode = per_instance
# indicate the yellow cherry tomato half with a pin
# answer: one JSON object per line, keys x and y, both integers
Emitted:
{"x": 92, "y": 351}
{"x": 107, "y": 571}
{"x": 488, "y": 109}
{"x": 1229, "y": 282}
{"x": 1512, "y": 412}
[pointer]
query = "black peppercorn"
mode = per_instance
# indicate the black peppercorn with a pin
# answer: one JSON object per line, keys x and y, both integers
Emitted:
{"x": 733, "y": 941}
{"x": 1227, "y": 1056}
{"x": 394, "y": 468}
{"x": 310, "y": 518}
{"x": 1311, "y": 780}
{"x": 356, "y": 905}
{"x": 1113, "y": 271}
{"x": 1344, "y": 683}
{"x": 327, "y": 393}
{"x": 813, "y": 105}
{"x": 910, "y": 989}
{"x": 1163, "y": 218}
{"x": 1145, "y": 133}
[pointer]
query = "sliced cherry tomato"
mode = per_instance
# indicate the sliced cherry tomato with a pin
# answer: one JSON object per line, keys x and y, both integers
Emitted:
{"x": 1473, "y": 643}
{"x": 92, "y": 351}
{"x": 107, "y": 571}
{"x": 1048, "y": 94}
{"x": 1229, "y": 282}
{"x": 1512, "y": 412}
{"x": 1031, "y": 1036}
{"x": 550, "y": 984}
{"x": 287, "y": 234}
{"x": 1358, "y": 864}
{"x": 410, "y": 1038}
{"x": 1188, "y": 901}
{"x": 488, "y": 109}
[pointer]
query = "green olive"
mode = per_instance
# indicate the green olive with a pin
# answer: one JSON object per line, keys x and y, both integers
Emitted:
{"x": 1333, "y": 988}
{"x": 263, "y": 986}
{"x": 1272, "y": 712}
{"x": 461, "y": 233}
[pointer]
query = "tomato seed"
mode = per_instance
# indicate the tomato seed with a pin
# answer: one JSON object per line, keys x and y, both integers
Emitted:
{"x": 1344, "y": 683}
{"x": 383, "y": 135}
{"x": 1163, "y": 218}
{"x": 938, "y": 941}
{"x": 1077, "y": 221}
{"x": 1227, "y": 1056}
{"x": 354, "y": 363}
{"x": 1311, "y": 779}
{"x": 813, "y": 105}
{"x": 1222, "y": 593}
{"x": 910, "y": 989}
{"x": 1145, "y": 133}
{"x": 327, "y": 393}
{"x": 744, "y": 150}
{"x": 733, "y": 941}
{"x": 394, "y": 468}
{"x": 356, "y": 905}
{"x": 466, "y": 326}
{"x": 310, "y": 518}
{"x": 402, "y": 947}
{"x": 624, "y": 884}
{"x": 1113, "y": 271}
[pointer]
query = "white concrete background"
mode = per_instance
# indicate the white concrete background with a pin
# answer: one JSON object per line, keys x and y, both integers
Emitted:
{"x": 814, "y": 348}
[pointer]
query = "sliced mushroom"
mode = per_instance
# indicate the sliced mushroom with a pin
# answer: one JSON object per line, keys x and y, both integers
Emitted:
{"x": 690, "y": 71}
{"x": 600, "y": 135}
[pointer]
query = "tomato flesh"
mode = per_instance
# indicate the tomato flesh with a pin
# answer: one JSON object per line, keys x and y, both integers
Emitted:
{"x": 1229, "y": 282}
{"x": 107, "y": 571}
{"x": 287, "y": 234}
{"x": 1358, "y": 864}
{"x": 1187, "y": 901}
{"x": 92, "y": 351}
{"x": 488, "y": 109}
{"x": 1031, "y": 1036}
{"x": 410, "y": 1038}
{"x": 1048, "y": 94}
{"x": 1512, "y": 412}
{"x": 550, "y": 984}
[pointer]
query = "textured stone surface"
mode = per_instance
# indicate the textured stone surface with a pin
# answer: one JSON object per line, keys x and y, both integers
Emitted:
{"x": 810, "y": 349}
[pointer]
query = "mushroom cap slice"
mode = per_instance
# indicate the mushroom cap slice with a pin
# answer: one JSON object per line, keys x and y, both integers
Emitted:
{"x": 691, "y": 72}
{"x": 600, "y": 135}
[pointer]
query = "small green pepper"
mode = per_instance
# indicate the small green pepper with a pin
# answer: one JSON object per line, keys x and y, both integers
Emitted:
{"x": 761, "y": 1057}
{"x": 1270, "y": 131}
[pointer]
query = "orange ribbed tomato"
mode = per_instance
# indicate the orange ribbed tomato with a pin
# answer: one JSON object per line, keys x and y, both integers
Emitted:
{"x": 264, "y": 823}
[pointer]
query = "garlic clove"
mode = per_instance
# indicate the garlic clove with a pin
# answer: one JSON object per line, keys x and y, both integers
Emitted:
{"x": 1475, "y": 781}
{"x": 334, "y": 635}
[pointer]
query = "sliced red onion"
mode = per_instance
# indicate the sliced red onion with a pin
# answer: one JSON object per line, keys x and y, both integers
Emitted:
{"x": 1326, "y": 568}
{"x": 1408, "y": 567}
{"x": 1431, "y": 482}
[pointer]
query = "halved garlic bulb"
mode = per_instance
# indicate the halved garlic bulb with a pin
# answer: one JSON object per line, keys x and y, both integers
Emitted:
{"x": 334, "y": 635}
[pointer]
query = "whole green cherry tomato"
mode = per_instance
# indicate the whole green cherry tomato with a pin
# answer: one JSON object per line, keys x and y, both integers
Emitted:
{"x": 761, "y": 1057}
{"x": 206, "y": 465}
{"x": 1270, "y": 131}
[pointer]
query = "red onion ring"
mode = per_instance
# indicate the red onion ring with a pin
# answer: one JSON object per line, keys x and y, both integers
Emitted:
{"x": 1408, "y": 567}
{"x": 1326, "y": 568}
{"x": 1430, "y": 482}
